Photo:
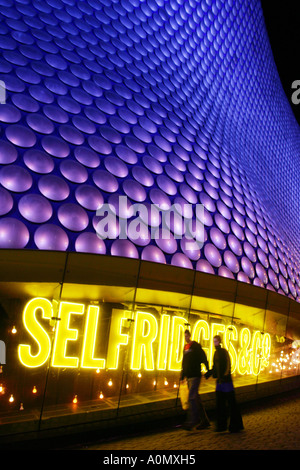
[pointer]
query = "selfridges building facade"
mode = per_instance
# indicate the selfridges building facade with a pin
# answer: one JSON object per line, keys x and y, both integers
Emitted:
{"x": 148, "y": 183}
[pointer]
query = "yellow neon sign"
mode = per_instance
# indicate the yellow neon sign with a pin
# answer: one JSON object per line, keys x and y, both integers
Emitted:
{"x": 116, "y": 338}
{"x": 64, "y": 334}
{"x": 256, "y": 352}
{"x": 155, "y": 345}
{"x": 88, "y": 361}
{"x": 35, "y": 329}
{"x": 162, "y": 355}
{"x": 243, "y": 360}
{"x": 145, "y": 331}
{"x": 231, "y": 335}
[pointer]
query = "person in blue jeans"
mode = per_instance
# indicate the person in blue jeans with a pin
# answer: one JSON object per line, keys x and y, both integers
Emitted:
{"x": 226, "y": 404}
{"x": 193, "y": 357}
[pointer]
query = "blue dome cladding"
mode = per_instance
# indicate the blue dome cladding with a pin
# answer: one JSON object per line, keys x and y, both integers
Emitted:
{"x": 163, "y": 102}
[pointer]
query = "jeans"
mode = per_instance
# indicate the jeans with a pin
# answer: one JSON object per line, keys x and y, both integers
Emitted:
{"x": 196, "y": 412}
{"x": 227, "y": 407}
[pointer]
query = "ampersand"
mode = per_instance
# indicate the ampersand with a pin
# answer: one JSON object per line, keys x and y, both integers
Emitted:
{"x": 244, "y": 353}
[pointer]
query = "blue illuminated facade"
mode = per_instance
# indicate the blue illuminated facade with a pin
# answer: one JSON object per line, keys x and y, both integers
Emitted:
{"x": 163, "y": 102}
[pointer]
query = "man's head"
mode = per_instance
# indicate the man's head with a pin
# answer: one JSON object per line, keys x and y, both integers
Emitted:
{"x": 187, "y": 336}
{"x": 217, "y": 340}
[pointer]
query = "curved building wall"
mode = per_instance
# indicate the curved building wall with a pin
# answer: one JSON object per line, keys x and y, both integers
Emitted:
{"x": 161, "y": 103}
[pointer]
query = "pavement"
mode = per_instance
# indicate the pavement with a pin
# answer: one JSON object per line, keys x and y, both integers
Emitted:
{"x": 272, "y": 423}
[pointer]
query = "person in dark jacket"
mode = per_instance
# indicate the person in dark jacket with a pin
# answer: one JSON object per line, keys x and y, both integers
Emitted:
{"x": 225, "y": 394}
{"x": 193, "y": 357}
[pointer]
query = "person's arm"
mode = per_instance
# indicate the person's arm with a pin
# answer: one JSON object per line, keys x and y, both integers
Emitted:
{"x": 223, "y": 365}
{"x": 182, "y": 368}
{"x": 211, "y": 372}
{"x": 217, "y": 366}
{"x": 208, "y": 374}
{"x": 228, "y": 364}
{"x": 204, "y": 359}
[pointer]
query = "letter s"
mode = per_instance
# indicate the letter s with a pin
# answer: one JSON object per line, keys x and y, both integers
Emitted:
{"x": 38, "y": 333}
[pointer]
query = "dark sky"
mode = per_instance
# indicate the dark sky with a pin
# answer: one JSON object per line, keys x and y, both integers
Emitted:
{"x": 283, "y": 24}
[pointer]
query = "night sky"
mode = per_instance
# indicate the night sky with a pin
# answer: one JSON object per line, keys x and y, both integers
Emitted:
{"x": 283, "y": 25}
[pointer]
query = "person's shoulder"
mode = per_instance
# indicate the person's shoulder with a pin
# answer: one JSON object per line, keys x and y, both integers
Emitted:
{"x": 224, "y": 352}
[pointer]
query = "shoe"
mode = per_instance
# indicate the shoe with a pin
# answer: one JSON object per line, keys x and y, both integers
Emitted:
{"x": 235, "y": 430}
{"x": 220, "y": 429}
{"x": 203, "y": 426}
{"x": 188, "y": 426}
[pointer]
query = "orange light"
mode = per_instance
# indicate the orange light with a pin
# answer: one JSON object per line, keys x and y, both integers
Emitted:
{"x": 75, "y": 399}
{"x": 110, "y": 383}
{"x": 101, "y": 396}
{"x": 14, "y": 330}
{"x": 11, "y": 399}
{"x": 34, "y": 390}
{"x": 21, "y": 407}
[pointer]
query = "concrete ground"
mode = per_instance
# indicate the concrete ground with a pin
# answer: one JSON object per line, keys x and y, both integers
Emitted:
{"x": 272, "y": 423}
